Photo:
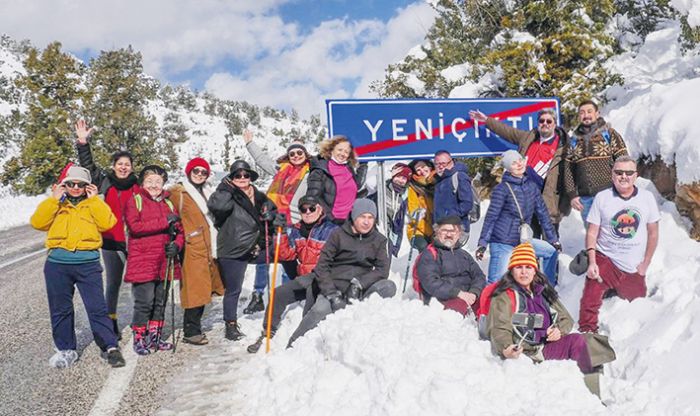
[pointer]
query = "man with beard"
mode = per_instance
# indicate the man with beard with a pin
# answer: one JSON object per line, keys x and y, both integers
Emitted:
{"x": 447, "y": 272}
{"x": 593, "y": 148}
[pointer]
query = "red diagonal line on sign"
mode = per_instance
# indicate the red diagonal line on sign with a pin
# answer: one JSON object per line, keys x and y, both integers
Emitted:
{"x": 389, "y": 143}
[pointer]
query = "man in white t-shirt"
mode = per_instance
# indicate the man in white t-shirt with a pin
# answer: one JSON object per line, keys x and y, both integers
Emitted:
{"x": 623, "y": 231}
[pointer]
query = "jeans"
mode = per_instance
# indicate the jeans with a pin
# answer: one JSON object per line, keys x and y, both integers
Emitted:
{"x": 587, "y": 202}
{"x": 114, "y": 270}
{"x": 500, "y": 256}
{"x": 149, "y": 302}
{"x": 61, "y": 281}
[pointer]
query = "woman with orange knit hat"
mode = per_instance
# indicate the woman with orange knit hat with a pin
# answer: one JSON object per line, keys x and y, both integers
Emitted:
{"x": 525, "y": 290}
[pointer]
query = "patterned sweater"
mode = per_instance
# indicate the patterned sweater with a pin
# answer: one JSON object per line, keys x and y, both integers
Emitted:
{"x": 590, "y": 157}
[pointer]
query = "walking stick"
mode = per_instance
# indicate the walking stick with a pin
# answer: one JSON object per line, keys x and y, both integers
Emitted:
{"x": 170, "y": 286}
{"x": 271, "y": 303}
{"x": 267, "y": 255}
{"x": 415, "y": 217}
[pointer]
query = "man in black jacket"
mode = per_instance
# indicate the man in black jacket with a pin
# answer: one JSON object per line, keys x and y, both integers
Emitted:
{"x": 447, "y": 272}
{"x": 353, "y": 265}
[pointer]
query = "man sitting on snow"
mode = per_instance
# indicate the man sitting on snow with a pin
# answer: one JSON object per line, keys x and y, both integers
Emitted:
{"x": 302, "y": 242}
{"x": 353, "y": 265}
{"x": 623, "y": 231}
{"x": 447, "y": 272}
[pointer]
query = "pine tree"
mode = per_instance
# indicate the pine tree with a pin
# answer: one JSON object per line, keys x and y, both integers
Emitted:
{"x": 115, "y": 103}
{"x": 52, "y": 83}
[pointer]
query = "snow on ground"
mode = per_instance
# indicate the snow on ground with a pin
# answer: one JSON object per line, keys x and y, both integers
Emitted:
{"x": 396, "y": 356}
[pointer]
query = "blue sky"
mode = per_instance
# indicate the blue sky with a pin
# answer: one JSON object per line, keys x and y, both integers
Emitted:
{"x": 282, "y": 53}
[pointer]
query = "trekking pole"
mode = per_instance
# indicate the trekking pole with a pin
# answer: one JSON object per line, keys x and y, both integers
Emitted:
{"x": 267, "y": 255}
{"x": 270, "y": 304}
{"x": 172, "y": 303}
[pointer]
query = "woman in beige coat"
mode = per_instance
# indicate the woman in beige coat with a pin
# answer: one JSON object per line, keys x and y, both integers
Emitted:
{"x": 200, "y": 273}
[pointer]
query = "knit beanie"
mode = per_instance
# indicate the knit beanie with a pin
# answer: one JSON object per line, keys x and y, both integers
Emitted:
{"x": 523, "y": 255}
{"x": 197, "y": 162}
{"x": 363, "y": 206}
{"x": 509, "y": 157}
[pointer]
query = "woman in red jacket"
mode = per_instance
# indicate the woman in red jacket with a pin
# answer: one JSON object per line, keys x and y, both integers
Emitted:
{"x": 155, "y": 235}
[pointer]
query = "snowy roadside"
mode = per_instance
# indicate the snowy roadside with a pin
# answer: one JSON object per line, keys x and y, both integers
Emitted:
{"x": 16, "y": 209}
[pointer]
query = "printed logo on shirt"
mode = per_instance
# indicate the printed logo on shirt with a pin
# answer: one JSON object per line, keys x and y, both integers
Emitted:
{"x": 625, "y": 223}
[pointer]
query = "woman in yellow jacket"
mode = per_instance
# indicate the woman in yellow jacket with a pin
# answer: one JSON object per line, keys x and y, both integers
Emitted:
{"x": 419, "y": 204}
{"x": 74, "y": 217}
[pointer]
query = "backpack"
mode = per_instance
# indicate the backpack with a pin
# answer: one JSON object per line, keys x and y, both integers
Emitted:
{"x": 416, "y": 281}
{"x": 485, "y": 306}
{"x": 605, "y": 133}
{"x": 475, "y": 212}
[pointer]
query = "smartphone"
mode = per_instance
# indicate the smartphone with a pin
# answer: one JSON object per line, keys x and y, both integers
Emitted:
{"x": 529, "y": 320}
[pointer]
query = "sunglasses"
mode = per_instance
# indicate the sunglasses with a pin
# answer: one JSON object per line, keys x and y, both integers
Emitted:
{"x": 200, "y": 171}
{"x": 295, "y": 153}
{"x": 624, "y": 172}
{"x": 80, "y": 185}
{"x": 305, "y": 210}
{"x": 546, "y": 121}
{"x": 241, "y": 176}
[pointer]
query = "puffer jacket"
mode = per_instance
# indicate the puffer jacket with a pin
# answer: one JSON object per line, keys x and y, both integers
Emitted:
{"x": 555, "y": 198}
{"x": 502, "y": 220}
{"x": 420, "y": 196}
{"x": 305, "y": 250}
{"x": 447, "y": 202}
{"x": 444, "y": 272}
{"x": 322, "y": 186}
{"x": 349, "y": 255}
{"x": 147, "y": 236}
{"x": 241, "y": 229}
{"x": 72, "y": 227}
{"x": 116, "y": 193}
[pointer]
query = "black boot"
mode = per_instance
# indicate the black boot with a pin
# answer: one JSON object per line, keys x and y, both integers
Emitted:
{"x": 256, "y": 304}
{"x": 254, "y": 347}
{"x": 233, "y": 331}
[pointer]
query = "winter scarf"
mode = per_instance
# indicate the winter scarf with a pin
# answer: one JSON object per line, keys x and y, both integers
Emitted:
{"x": 200, "y": 195}
{"x": 285, "y": 184}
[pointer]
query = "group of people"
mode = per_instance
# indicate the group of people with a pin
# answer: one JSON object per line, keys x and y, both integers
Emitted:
{"x": 331, "y": 250}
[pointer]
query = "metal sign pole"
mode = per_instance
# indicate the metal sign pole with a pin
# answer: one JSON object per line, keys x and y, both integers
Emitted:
{"x": 381, "y": 199}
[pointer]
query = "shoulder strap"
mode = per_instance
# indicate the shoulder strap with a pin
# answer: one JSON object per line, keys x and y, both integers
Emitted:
{"x": 170, "y": 205}
{"x": 455, "y": 182}
{"x": 516, "y": 202}
{"x": 139, "y": 202}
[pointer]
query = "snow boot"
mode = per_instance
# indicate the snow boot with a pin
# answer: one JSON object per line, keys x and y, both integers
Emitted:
{"x": 115, "y": 326}
{"x": 115, "y": 358}
{"x": 233, "y": 331}
{"x": 256, "y": 304}
{"x": 141, "y": 342}
{"x": 155, "y": 334}
{"x": 254, "y": 347}
{"x": 63, "y": 359}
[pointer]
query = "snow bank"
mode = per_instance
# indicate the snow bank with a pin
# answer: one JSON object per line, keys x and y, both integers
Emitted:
{"x": 16, "y": 209}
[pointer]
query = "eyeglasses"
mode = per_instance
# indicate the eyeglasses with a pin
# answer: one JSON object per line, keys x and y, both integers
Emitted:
{"x": 546, "y": 121}
{"x": 295, "y": 153}
{"x": 200, "y": 171}
{"x": 80, "y": 185}
{"x": 305, "y": 210}
{"x": 241, "y": 176}
{"x": 624, "y": 172}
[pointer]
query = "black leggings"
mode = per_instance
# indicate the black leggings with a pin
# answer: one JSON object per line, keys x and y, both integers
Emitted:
{"x": 149, "y": 302}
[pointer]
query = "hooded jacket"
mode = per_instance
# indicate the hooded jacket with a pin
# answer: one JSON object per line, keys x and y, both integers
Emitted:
{"x": 447, "y": 202}
{"x": 348, "y": 254}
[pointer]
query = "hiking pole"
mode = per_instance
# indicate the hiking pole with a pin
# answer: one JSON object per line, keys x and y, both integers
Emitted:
{"x": 415, "y": 217}
{"x": 267, "y": 255}
{"x": 271, "y": 304}
{"x": 170, "y": 284}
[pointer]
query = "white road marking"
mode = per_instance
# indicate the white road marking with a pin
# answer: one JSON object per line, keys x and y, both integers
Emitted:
{"x": 115, "y": 386}
{"x": 17, "y": 260}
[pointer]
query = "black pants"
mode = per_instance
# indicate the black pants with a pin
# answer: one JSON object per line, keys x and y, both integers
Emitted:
{"x": 293, "y": 291}
{"x": 149, "y": 302}
{"x": 192, "y": 321}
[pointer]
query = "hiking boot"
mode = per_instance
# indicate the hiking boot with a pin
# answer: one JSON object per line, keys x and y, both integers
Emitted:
{"x": 115, "y": 326}
{"x": 254, "y": 347}
{"x": 115, "y": 358}
{"x": 155, "y": 334}
{"x": 199, "y": 339}
{"x": 141, "y": 342}
{"x": 63, "y": 359}
{"x": 256, "y": 304}
{"x": 233, "y": 331}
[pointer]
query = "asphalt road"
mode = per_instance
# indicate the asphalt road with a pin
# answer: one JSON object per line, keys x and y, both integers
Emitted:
{"x": 28, "y": 386}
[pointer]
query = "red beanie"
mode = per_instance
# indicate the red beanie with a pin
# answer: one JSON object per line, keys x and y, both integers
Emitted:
{"x": 64, "y": 172}
{"x": 197, "y": 162}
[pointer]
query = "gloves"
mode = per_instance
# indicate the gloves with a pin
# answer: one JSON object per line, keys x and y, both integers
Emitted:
{"x": 173, "y": 218}
{"x": 171, "y": 250}
{"x": 557, "y": 246}
{"x": 336, "y": 300}
{"x": 280, "y": 220}
{"x": 480, "y": 252}
{"x": 267, "y": 216}
{"x": 354, "y": 290}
